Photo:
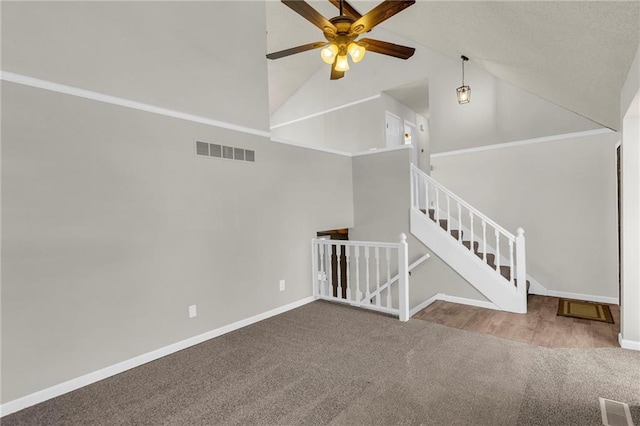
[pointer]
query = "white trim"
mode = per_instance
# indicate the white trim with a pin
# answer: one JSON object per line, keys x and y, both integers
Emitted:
{"x": 524, "y": 142}
{"x": 343, "y": 153}
{"x": 326, "y": 111}
{"x": 87, "y": 379}
{"x": 536, "y": 287}
{"x": 380, "y": 150}
{"x": 101, "y": 97}
{"x": 424, "y": 304}
{"x": 315, "y": 148}
{"x": 628, "y": 344}
{"x": 471, "y": 302}
{"x": 453, "y": 299}
{"x": 580, "y": 296}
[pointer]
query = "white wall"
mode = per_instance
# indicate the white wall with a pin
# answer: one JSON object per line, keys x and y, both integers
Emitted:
{"x": 424, "y": 145}
{"x": 563, "y": 193}
{"x": 630, "y": 117}
{"x": 355, "y": 128}
{"x": 382, "y": 199}
{"x": 499, "y": 112}
{"x": 111, "y": 226}
{"x": 176, "y": 55}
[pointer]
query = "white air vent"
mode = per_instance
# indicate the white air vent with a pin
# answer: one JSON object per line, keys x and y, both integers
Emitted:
{"x": 204, "y": 149}
{"x": 615, "y": 413}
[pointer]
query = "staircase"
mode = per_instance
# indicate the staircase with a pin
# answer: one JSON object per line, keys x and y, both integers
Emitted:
{"x": 488, "y": 256}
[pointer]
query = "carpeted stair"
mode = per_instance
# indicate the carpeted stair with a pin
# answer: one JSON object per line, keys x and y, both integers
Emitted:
{"x": 505, "y": 271}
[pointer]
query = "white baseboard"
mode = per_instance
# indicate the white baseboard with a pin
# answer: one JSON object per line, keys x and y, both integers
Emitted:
{"x": 471, "y": 302}
{"x": 87, "y": 379}
{"x": 452, "y": 299}
{"x": 580, "y": 296}
{"x": 628, "y": 344}
{"x": 424, "y": 304}
{"x": 539, "y": 289}
{"x": 536, "y": 287}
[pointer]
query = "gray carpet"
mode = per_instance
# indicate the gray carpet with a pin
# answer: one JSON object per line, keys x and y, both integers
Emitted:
{"x": 330, "y": 364}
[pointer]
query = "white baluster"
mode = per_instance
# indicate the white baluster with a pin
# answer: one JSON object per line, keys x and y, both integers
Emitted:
{"x": 377, "y": 276}
{"x": 484, "y": 241}
{"x": 366, "y": 261}
{"x": 521, "y": 269}
{"x": 348, "y": 255}
{"x": 498, "y": 251}
{"x": 472, "y": 233}
{"x": 339, "y": 271}
{"x": 415, "y": 201}
{"x": 511, "y": 271}
{"x": 426, "y": 196}
{"x": 448, "y": 215}
{"x": 388, "y": 257}
{"x": 437, "y": 216}
{"x": 403, "y": 279}
{"x": 459, "y": 222}
{"x": 323, "y": 273}
{"x": 330, "y": 247}
{"x": 356, "y": 252}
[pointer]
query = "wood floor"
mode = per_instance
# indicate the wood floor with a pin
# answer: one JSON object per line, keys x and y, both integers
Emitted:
{"x": 540, "y": 326}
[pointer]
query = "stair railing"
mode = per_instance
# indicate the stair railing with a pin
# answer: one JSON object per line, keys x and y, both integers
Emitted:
{"x": 351, "y": 272}
{"x": 397, "y": 276}
{"x": 454, "y": 214}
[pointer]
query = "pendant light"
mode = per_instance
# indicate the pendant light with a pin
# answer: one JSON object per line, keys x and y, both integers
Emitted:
{"x": 463, "y": 92}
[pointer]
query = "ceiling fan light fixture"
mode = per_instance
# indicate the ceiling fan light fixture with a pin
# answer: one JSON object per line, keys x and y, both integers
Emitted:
{"x": 329, "y": 53}
{"x": 356, "y": 52}
{"x": 463, "y": 92}
{"x": 342, "y": 63}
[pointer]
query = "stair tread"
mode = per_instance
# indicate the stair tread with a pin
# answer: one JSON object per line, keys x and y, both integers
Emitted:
{"x": 505, "y": 271}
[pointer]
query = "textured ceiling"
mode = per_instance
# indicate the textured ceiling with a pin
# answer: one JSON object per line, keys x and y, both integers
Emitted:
{"x": 414, "y": 95}
{"x": 574, "y": 54}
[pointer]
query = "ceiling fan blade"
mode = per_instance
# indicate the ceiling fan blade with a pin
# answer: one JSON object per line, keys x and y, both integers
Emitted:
{"x": 335, "y": 74}
{"x": 378, "y": 14}
{"x": 303, "y": 9}
{"x": 347, "y": 9}
{"x": 294, "y": 50}
{"x": 386, "y": 48}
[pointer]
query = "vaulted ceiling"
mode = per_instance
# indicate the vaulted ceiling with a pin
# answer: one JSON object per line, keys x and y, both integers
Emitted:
{"x": 574, "y": 54}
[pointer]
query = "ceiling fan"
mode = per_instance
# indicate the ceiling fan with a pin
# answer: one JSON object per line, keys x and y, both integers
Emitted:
{"x": 342, "y": 32}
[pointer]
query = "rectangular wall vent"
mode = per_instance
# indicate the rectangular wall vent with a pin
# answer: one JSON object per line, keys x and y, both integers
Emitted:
{"x": 615, "y": 413}
{"x": 204, "y": 149}
{"x": 215, "y": 150}
{"x": 238, "y": 154}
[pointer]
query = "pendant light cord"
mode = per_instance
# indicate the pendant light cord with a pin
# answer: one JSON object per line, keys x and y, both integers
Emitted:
{"x": 464, "y": 59}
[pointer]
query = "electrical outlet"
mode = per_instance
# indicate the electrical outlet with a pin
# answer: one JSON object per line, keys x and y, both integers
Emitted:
{"x": 192, "y": 311}
{"x": 282, "y": 285}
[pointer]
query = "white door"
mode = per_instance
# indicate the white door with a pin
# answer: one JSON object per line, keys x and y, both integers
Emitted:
{"x": 411, "y": 138}
{"x": 393, "y": 125}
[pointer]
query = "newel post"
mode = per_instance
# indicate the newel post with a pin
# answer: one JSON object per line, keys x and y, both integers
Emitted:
{"x": 521, "y": 269}
{"x": 403, "y": 278}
